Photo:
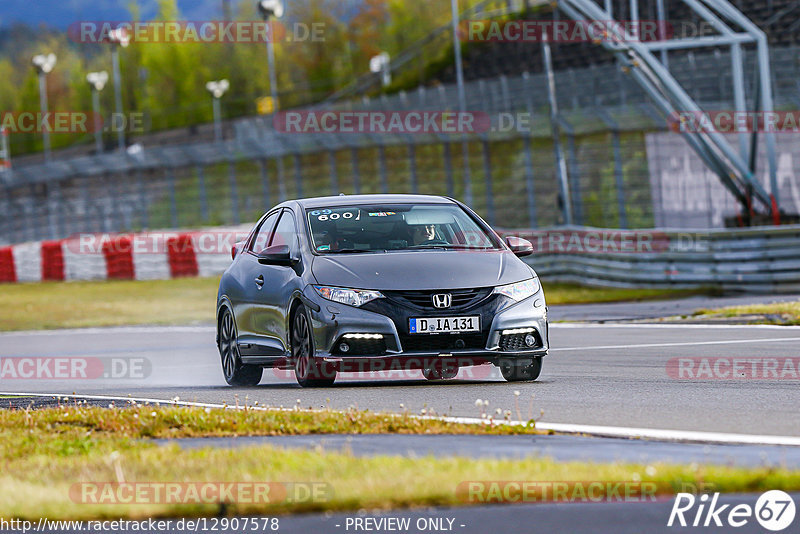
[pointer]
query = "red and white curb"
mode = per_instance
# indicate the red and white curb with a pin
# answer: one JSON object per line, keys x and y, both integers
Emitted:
{"x": 143, "y": 256}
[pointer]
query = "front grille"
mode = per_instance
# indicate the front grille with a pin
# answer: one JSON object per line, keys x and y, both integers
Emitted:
{"x": 423, "y": 299}
{"x": 396, "y": 307}
{"x": 361, "y": 347}
{"x": 442, "y": 342}
{"x": 516, "y": 342}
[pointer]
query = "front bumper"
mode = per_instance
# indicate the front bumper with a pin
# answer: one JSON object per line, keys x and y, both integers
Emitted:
{"x": 384, "y": 316}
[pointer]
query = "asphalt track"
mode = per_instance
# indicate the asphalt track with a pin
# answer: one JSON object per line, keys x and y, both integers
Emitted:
{"x": 611, "y": 375}
{"x": 569, "y": 517}
{"x": 529, "y": 518}
{"x": 597, "y": 374}
{"x": 655, "y": 309}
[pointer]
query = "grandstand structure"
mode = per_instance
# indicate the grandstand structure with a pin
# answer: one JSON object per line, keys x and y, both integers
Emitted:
{"x": 693, "y": 24}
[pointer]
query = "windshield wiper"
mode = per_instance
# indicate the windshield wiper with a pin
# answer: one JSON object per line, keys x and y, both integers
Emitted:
{"x": 350, "y": 251}
{"x": 449, "y": 247}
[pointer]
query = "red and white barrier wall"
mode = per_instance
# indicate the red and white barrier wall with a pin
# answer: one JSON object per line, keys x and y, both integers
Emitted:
{"x": 143, "y": 256}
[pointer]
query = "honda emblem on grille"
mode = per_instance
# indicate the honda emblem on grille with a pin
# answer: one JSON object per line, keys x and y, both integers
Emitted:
{"x": 443, "y": 300}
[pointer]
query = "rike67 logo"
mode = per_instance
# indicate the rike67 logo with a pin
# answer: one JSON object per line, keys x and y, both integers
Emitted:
{"x": 774, "y": 511}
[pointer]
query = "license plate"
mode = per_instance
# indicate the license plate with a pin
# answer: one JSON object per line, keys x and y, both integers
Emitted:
{"x": 444, "y": 325}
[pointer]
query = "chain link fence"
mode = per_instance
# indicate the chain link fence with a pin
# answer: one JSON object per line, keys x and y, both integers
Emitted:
{"x": 509, "y": 172}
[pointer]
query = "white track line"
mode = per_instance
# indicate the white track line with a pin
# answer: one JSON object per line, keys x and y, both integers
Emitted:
{"x": 652, "y": 433}
{"x": 676, "y": 325}
{"x": 686, "y": 436}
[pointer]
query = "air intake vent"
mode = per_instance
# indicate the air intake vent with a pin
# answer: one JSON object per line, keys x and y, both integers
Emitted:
{"x": 462, "y": 298}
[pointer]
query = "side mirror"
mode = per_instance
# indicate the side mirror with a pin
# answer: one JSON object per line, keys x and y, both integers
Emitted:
{"x": 520, "y": 247}
{"x": 276, "y": 255}
{"x": 237, "y": 247}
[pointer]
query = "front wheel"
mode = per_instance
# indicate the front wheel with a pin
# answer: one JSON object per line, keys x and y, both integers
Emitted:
{"x": 307, "y": 369}
{"x": 236, "y": 373}
{"x": 521, "y": 373}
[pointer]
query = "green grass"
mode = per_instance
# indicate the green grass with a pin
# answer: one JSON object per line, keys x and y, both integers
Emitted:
{"x": 46, "y": 453}
{"x": 89, "y": 304}
{"x": 138, "y": 421}
{"x": 184, "y": 301}
{"x": 779, "y": 313}
{"x": 577, "y": 294}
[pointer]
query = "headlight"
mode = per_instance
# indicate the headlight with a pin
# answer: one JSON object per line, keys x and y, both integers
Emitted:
{"x": 351, "y": 297}
{"x": 520, "y": 290}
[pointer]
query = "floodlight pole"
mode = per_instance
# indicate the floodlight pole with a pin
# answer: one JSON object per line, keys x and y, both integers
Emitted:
{"x": 43, "y": 105}
{"x": 118, "y": 95}
{"x": 273, "y": 86}
{"x": 98, "y": 125}
{"x": 561, "y": 163}
{"x": 269, "y": 13}
{"x": 662, "y": 34}
{"x": 217, "y": 119}
{"x": 462, "y": 101}
{"x": 97, "y": 82}
{"x": 217, "y": 90}
{"x": 273, "y": 76}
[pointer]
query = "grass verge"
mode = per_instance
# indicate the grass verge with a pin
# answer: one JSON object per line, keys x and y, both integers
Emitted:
{"x": 188, "y": 301}
{"x": 113, "y": 303}
{"x": 47, "y": 454}
{"x": 777, "y": 313}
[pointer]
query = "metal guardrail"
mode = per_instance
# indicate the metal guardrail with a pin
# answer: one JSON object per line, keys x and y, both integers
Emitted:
{"x": 763, "y": 260}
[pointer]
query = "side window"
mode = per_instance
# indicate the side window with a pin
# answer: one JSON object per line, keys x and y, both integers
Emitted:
{"x": 286, "y": 233}
{"x": 264, "y": 233}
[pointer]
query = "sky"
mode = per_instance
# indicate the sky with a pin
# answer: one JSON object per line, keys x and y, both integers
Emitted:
{"x": 61, "y": 13}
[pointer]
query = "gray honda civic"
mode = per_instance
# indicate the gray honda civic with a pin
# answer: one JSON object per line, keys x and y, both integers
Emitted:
{"x": 378, "y": 283}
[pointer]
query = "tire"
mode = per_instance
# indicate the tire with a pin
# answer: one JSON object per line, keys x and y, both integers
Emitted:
{"x": 521, "y": 373}
{"x": 234, "y": 371}
{"x": 307, "y": 369}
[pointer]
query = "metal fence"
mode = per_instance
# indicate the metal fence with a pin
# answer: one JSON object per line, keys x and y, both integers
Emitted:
{"x": 744, "y": 260}
{"x": 512, "y": 179}
{"x": 510, "y": 174}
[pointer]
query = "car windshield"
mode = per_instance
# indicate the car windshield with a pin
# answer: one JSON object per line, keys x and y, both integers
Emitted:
{"x": 387, "y": 227}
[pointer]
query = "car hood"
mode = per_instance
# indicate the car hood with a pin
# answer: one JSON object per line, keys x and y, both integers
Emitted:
{"x": 435, "y": 269}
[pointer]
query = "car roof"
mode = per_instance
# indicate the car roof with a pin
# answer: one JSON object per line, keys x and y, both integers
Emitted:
{"x": 349, "y": 200}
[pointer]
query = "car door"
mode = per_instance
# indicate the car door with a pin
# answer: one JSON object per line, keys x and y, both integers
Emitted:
{"x": 280, "y": 282}
{"x": 247, "y": 297}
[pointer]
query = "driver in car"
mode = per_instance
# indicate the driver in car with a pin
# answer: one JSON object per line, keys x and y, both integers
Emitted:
{"x": 422, "y": 233}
